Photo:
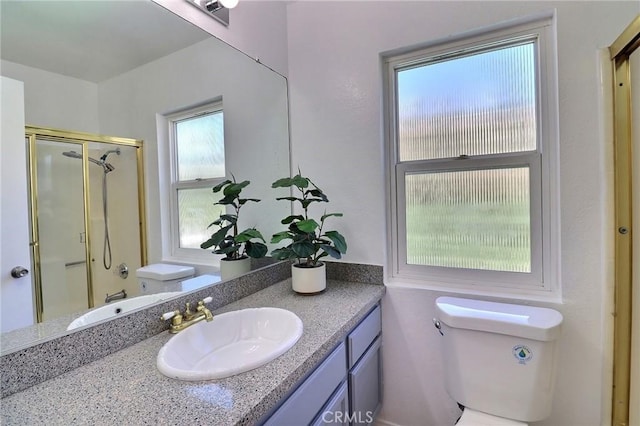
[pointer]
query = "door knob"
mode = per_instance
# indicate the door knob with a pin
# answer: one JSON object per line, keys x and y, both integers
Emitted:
{"x": 19, "y": 272}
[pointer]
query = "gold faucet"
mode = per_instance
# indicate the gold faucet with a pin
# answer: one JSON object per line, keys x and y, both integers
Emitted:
{"x": 180, "y": 321}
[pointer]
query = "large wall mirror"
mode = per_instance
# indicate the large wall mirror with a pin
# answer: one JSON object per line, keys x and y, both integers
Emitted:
{"x": 120, "y": 69}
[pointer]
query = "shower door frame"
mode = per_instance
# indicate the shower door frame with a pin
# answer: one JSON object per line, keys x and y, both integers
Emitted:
{"x": 32, "y": 133}
{"x": 619, "y": 52}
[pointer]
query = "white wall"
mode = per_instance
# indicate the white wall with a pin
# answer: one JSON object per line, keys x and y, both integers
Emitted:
{"x": 54, "y": 100}
{"x": 336, "y": 129}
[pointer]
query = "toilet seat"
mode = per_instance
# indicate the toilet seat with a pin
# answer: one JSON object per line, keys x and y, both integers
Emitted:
{"x": 477, "y": 418}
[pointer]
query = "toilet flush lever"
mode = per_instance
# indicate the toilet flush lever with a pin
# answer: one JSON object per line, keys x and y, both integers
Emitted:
{"x": 436, "y": 324}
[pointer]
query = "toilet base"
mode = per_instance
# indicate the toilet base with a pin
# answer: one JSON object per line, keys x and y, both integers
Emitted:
{"x": 477, "y": 418}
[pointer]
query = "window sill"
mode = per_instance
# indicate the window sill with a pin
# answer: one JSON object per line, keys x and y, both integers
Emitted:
{"x": 511, "y": 294}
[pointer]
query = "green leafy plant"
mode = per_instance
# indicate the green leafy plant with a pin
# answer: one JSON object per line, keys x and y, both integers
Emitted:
{"x": 309, "y": 242}
{"x": 227, "y": 240}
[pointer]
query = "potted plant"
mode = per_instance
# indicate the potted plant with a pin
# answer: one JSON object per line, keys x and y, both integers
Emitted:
{"x": 237, "y": 247}
{"x": 309, "y": 241}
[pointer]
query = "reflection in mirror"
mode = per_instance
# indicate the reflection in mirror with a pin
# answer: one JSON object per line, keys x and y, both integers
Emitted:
{"x": 83, "y": 244}
{"x": 65, "y": 285}
{"x": 122, "y": 68}
{"x": 114, "y": 309}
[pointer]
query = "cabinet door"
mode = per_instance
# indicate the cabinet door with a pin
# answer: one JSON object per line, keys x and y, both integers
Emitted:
{"x": 364, "y": 386}
{"x": 362, "y": 336}
{"x": 304, "y": 405}
{"x": 336, "y": 411}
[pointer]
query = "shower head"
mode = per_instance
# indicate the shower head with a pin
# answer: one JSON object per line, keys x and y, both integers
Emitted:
{"x": 72, "y": 154}
{"x": 107, "y": 167}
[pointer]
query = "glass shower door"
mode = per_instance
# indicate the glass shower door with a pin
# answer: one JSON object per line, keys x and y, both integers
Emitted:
{"x": 114, "y": 221}
{"x": 87, "y": 220}
{"x": 61, "y": 228}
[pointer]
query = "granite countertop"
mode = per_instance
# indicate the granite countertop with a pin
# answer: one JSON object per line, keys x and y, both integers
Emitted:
{"x": 127, "y": 388}
{"x": 54, "y": 327}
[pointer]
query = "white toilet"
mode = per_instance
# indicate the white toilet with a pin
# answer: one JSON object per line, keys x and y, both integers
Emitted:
{"x": 499, "y": 359}
{"x": 161, "y": 277}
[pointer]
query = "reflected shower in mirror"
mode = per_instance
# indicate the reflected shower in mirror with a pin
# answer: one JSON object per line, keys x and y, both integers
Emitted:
{"x": 121, "y": 70}
{"x": 78, "y": 234}
{"x": 107, "y": 257}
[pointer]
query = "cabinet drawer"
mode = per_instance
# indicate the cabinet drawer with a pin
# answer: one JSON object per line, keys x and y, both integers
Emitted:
{"x": 364, "y": 386}
{"x": 305, "y": 403}
{"x": 337, "y": 409}
{"x": 362, "y": 336}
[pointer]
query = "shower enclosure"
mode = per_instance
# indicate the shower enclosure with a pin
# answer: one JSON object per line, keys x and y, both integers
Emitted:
{"x": 87, "y": 219}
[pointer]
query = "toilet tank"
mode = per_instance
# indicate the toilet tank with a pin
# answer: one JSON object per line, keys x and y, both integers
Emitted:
{"x": 499, "y": 358}
{"x": 162, "y": 277}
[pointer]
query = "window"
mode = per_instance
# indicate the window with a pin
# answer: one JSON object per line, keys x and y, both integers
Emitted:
{"x": 198, "y": 164}
{"x": 472, "y": 142}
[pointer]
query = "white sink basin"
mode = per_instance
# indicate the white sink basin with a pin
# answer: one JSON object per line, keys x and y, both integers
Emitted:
{"x": 120, "y": 307}
{"x": 234, "y": 342}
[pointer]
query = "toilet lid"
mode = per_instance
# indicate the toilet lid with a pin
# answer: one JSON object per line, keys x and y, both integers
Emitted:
{"x": 165, "y": 271}
{"x": 477, "y": 418}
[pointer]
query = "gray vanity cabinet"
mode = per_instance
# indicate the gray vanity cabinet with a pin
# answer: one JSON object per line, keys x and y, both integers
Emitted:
{"x": 333, "y": 413}
{"x": 345, "y": 388}
{"x": 303, "y": 406}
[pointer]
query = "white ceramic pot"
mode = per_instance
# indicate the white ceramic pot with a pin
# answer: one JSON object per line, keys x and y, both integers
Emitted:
{"x": 308, "y": 280}
{"x": 234, "y": 268}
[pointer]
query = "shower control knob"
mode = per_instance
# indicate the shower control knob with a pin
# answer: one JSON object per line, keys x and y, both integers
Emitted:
{"x": 19, "y": 272}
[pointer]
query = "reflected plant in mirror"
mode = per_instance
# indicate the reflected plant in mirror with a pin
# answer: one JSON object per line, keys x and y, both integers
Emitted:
{"x": 227, "y": 240}
{"x": 235, "y": 246}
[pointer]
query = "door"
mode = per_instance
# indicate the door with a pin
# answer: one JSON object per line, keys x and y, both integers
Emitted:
{"x": 14, "y": 219}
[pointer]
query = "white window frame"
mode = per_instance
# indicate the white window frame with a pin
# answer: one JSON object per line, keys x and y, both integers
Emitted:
{"x": 544, "y": 280}
{"x": 177, "y": 252}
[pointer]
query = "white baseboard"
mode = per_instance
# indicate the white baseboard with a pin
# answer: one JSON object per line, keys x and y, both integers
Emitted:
{"x": 381, "y": 422}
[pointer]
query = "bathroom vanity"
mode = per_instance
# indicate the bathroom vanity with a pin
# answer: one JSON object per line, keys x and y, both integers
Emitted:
{"x": 346, "y": 386}
{"x": 334, "y": 367}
